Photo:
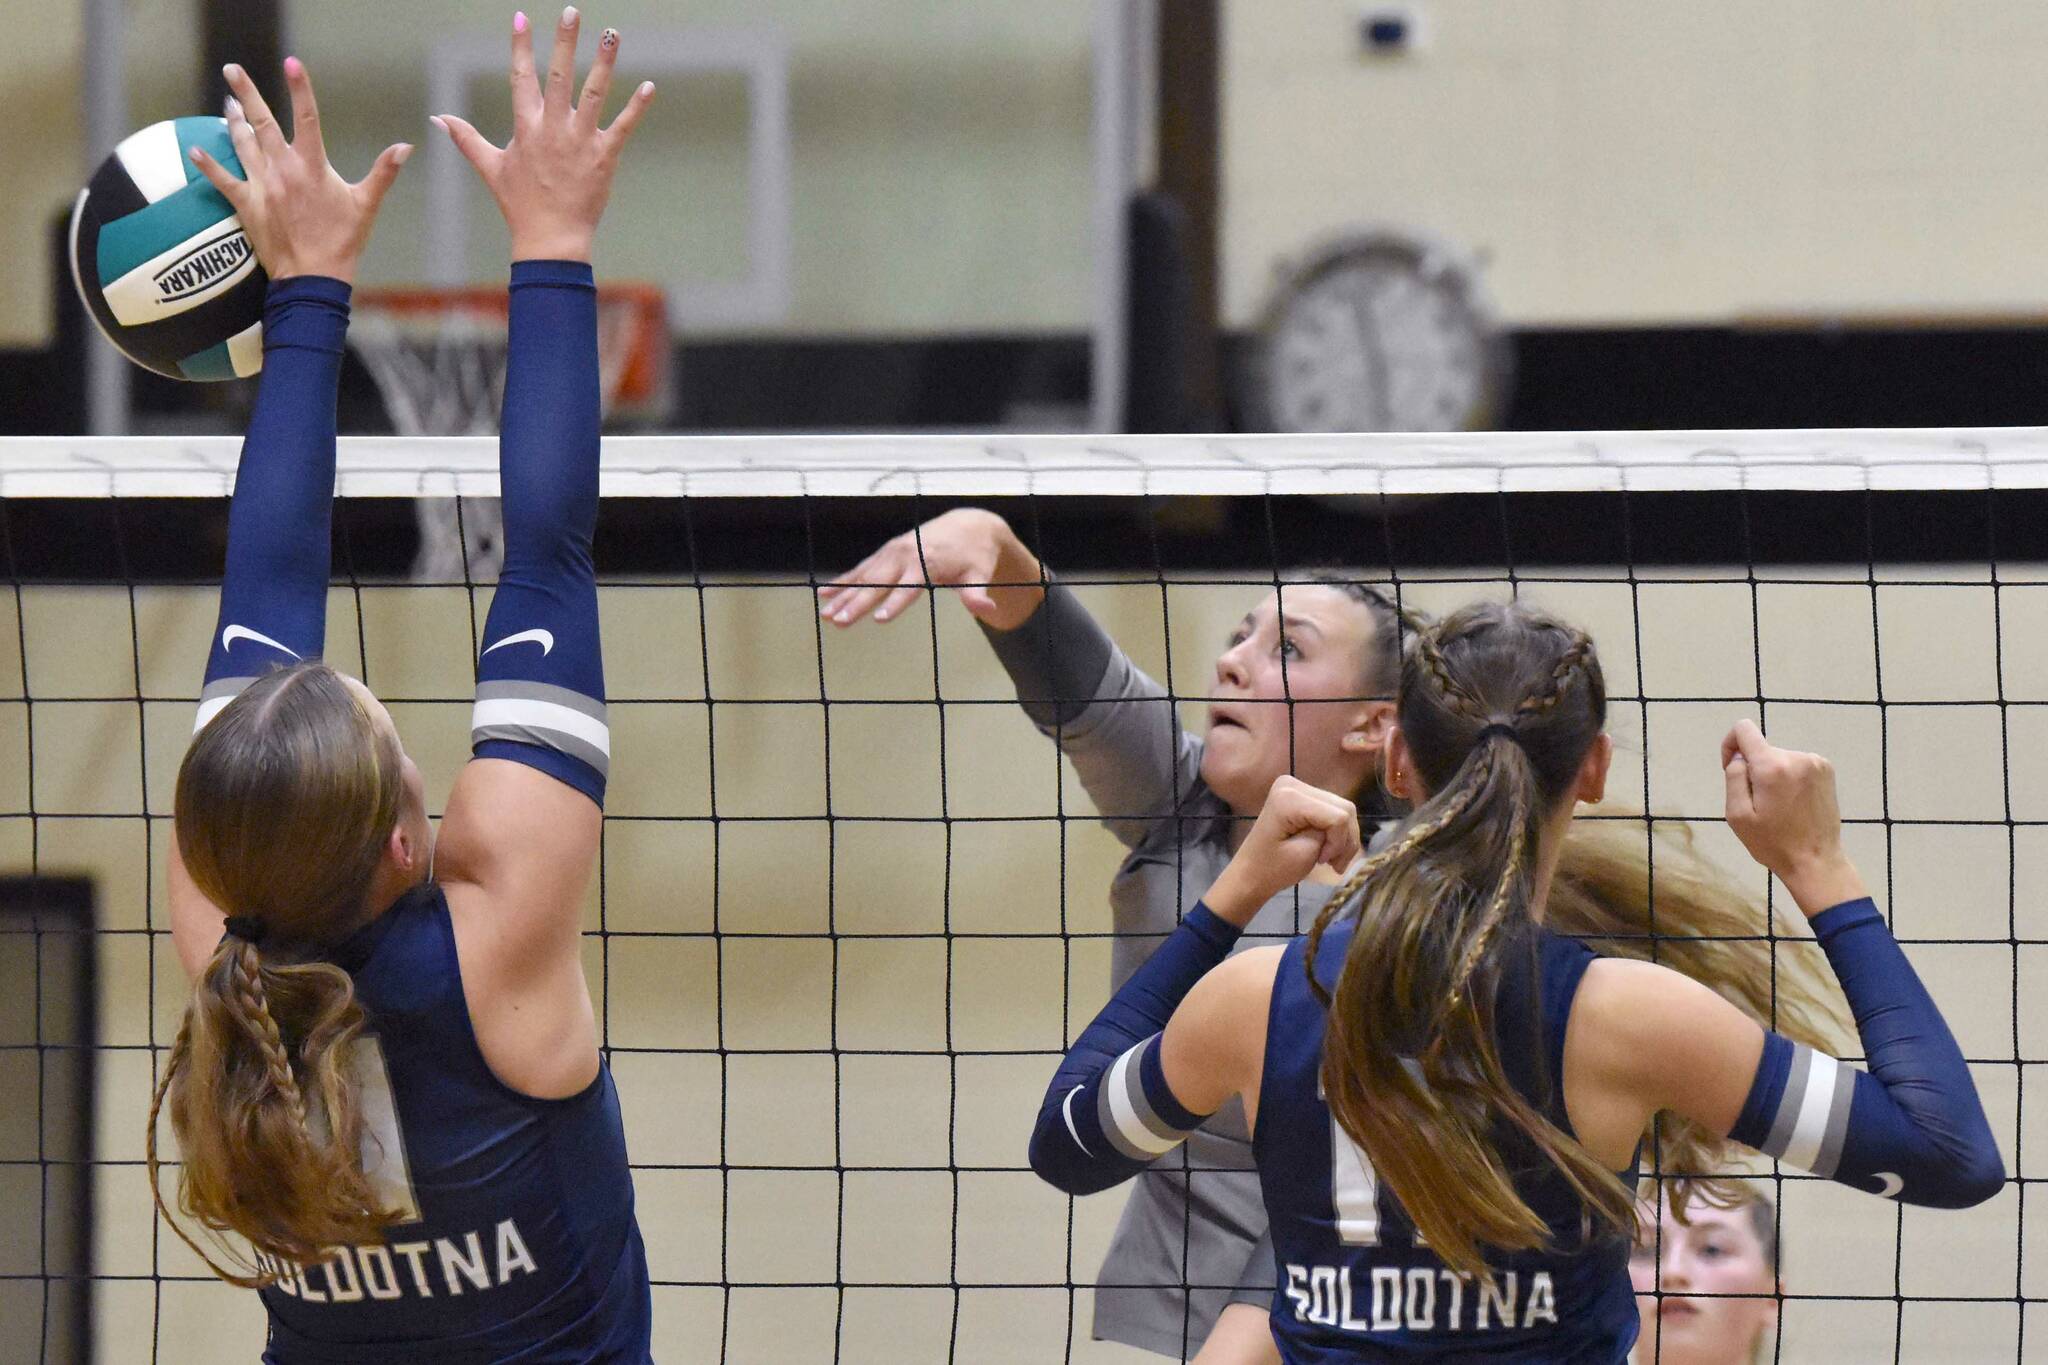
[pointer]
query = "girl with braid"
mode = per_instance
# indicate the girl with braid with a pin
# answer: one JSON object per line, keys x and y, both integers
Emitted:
{"x": 1447, "y": 1097}
{"x": 1304, "y": 684}
{"x": 387, "y": 1089}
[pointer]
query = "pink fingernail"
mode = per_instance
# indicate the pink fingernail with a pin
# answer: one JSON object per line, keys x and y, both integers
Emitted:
{"x": 568, "y": 15}
{"x": 519, "y": 22}
{"x": 294, "y": 67}
{"x": 438, "y": 122}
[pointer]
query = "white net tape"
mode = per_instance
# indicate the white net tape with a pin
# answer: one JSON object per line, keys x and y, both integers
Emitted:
{"x": 1839, "y": 460}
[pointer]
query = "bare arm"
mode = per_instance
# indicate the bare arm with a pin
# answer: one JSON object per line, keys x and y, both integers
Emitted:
{"x": 1214, "y": 1047}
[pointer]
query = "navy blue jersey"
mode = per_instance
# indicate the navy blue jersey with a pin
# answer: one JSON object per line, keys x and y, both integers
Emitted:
{"x": 521, "y": 1245}
{"x": 1352, "y": 1282}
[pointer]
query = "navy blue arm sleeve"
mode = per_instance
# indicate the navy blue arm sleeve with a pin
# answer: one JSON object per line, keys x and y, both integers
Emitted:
{"x": 273, "y": 595}
{"x": 540, "y": 679}
{"x": 1109, "y": 1112}
{"x": 1911, "y": 1128}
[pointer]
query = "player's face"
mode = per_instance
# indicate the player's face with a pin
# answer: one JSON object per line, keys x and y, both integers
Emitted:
{"x": 1718, "y": 1254}
{"x": 412, "y": 815}
{"x": 1316, "y": 656}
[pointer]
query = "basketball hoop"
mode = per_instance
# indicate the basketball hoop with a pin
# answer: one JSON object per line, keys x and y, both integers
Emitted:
{"x": 438, "y": 355}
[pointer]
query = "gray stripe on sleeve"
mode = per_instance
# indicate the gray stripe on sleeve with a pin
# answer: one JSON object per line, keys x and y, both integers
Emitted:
{"x": 519, "y": 690}
{"x": 224, "y": 687}
{"x": 546, "y": 739}
{"x": 1838, "y": 1122}
{"x": 1106, "y": 1117}
{"x": 1782, "y": 1126}
{"x": 1105, "y": 1110}
{"x": 1134, "y": 1086}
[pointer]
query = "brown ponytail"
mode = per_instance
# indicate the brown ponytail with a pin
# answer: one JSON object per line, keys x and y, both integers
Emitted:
{"x": 1499, "y": 706}
{"x": 284, "y": 802}
{"x": 1632, "y": 891}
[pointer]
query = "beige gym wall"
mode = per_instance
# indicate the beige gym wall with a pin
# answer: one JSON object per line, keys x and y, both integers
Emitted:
{"x": 1617, "y": 163}
{"x": 1631, "y": 162}
{"x": 905, "y": 995}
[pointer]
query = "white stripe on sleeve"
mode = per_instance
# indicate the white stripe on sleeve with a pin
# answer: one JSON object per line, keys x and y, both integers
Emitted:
{"x": 1810, "y": 1129}
{"x": 1128, "y": 1124}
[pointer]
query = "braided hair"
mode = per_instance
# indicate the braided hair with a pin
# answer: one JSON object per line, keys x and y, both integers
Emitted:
{"x": 1499, "y": 705}
{"x": 284, "y": 804}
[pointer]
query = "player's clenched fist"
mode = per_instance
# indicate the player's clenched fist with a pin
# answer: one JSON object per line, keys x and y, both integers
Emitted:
{"x": 1299, "y": 828}
{"x": 1782, "y": 806}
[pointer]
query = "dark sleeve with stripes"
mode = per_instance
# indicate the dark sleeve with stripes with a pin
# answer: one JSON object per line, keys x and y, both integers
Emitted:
{"x": 1912, "y": 1127}
{"x": 540, "y": 678}
{"x": 1109, "y": 1112}
{"x": 273, "y": 596}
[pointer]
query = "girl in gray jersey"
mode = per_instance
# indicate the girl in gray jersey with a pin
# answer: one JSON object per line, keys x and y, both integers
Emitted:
{"x": 1305, "y": 686}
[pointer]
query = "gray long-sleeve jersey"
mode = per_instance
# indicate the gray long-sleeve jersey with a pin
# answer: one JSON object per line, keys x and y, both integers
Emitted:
{"x": 1192, "y": 1235}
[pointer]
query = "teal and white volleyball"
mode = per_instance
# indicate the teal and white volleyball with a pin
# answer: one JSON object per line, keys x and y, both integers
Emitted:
{"x": 161, "y": 260}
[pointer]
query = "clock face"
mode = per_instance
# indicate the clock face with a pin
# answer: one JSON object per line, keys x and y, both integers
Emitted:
{"x": 1378, "y": 334}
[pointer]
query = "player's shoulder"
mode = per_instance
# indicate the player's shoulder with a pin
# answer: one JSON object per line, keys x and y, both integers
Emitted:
{"x": 1251, "y": 970}
{"x": 1231, "y": 1001}
{"x": 1612, "y": 983}
{"x": 1625, "y": 1008}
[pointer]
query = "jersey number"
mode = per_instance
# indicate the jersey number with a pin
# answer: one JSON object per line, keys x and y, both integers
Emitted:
{"x": 384, "y": 1160}
{"x": 1355, "y": 1192}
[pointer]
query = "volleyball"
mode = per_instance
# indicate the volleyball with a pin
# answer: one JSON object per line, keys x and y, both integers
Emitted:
{"x": 161, "y": 260}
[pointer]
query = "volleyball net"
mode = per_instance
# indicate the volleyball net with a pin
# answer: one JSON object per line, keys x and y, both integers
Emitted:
{"x": 851, "y": 905}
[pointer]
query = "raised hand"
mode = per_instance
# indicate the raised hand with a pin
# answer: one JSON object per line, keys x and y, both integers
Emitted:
{"x": 553, "y": 178}
{"x": 966, "y": 548}
{"x": 1299, "y": 827}
{"x": 1781, "y": 804}
{"x": 301, "y": 217}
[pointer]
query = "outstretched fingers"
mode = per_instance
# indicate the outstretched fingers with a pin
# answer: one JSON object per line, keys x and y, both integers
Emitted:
{"x": 232, "y": 189}
{"x": 243, "y": 137}
{"x": 526, "y": 102}
{"x": 562, "y": 64}
{"x": 598, "y": 84}
{"x": 477, "y": 149}
{"x": 306, "y": 139}
{"x": 856, "y": 604}
{"x": 898, "y": 602}
{"x": 629, "y": 117}
{"x": 372, "y": 188}
{"x": 256, "y": 110}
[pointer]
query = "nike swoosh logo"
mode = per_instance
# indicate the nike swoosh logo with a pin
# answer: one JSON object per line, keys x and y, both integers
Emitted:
{"x": 1888, "y": 1184}
{"x": 1067, "y": 1113}
{"x": 526, "y": 637}
{"x": 234, "y": 633}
